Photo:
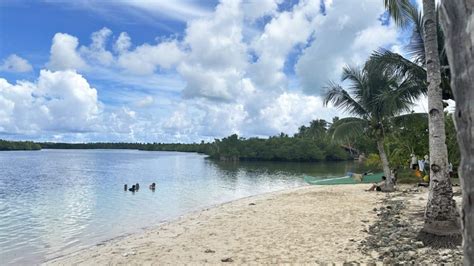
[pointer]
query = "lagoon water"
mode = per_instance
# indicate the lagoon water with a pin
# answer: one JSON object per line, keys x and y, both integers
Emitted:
{"x": 53, "y": 202}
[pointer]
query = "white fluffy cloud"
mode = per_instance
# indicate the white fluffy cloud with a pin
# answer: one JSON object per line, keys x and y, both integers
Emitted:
{"x": 254, "y": 9}
{"x": 97, "y": 52}
{"x": 286, "y": 30}
{"x": 123, "y": 43}
{"x": 346, "y": 35}
{"x": 57, "y": 101}
{"x": 145, "y": 59}
{"x": 146, "y": 101}
{"x": 217, "y": 56}
{"x": 64, "y": 54}
{"x": 231, "y": 81}
{"x": 15, "y": 63}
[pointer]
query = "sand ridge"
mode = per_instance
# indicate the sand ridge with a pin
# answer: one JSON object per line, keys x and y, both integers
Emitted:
{"x": 305, "y": 225}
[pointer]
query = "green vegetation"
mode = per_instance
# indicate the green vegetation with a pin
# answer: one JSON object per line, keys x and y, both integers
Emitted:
{"x": 376, "y": 99}
{"x": 311, "y": 143}
{"x": 318, "y": 141}
{"x": 18, "y": 145}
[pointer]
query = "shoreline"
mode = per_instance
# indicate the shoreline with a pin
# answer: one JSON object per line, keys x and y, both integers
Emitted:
{"x": 172, "y": 220}
{"x": 206, "y": 241}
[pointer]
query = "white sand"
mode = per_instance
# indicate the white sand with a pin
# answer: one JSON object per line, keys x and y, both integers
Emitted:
{"x": 305, "y": 225}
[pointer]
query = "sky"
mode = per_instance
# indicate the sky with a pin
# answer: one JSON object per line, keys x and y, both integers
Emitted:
{"x": 178, "y": 71}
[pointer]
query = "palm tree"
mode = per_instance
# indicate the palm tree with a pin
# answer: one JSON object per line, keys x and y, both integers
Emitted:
{"x": 440, "y": 214}
{"x": 455, "y": 19}
{"x": 374, "y": 98}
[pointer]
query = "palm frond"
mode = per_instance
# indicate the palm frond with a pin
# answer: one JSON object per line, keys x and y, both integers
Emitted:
{"x": 394, "y": 64}
{"x": 389, "y": 103}
{"x": 406, "y": 119}
{"x": 349, "y": 127}
{"x": 341, "y": 99}
{"x": 398, "y": 10}
{"x": 416, "y": 46}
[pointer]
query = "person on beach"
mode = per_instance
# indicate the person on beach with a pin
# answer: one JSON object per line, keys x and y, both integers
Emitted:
{"x": 450, "y": 169}
{"x": 413, "y": 162}
{"x": 394, "y": 175}
{"x": 132, "y": 189}
{"x": 383, "y": 186}
{"x": 125, "y": 187}
{"x": 421, "y": 165}
{"x": 426, "y": 163}
{"x": 137, "y": 187}
{"x": 152, "y": 186}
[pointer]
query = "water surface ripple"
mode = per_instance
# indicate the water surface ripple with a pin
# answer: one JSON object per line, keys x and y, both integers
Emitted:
{"x": 54, "y": 202}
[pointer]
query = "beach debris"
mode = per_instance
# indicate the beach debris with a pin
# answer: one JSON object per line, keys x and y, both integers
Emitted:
{"x": 392, "y": 238}
{"x": 209, "y": 251}
{"x": 252, "y": 204}
{"x": 126, "y": 254}
{"x": 227, "y": 260}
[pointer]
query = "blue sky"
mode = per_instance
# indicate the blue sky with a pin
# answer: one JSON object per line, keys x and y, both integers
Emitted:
{"x": 166, "y": 71}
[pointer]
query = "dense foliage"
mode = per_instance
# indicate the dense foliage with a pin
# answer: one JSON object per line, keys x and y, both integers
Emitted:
{"x": 311, "y": 143}
{"x": 18, "y": 145}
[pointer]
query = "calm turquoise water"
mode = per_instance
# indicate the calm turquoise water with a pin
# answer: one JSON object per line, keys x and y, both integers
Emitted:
{"x": 54, "y": 202}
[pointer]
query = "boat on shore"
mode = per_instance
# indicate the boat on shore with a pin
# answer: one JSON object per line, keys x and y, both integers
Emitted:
{"x": 370, "y": 178}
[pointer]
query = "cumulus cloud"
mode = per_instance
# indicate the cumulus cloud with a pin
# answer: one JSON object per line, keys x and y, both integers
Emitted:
{"x": 123, "y": 43}
{"x": 147, "y": 101}
{"x": 343, "y": 36}
{"x": 15, "y": 63}
{"x": 217, "y": 56}
{"x": 64, "y": 54}
{"x": 230, "y": 81}
{"x": 57, "y": 101}
{"x": 97, "y": 51}
{"x": 146, "y": 58}
{"x": 254, "y": 9}
{"x": 291, "y": 110}
{"x": 286, "y": 30}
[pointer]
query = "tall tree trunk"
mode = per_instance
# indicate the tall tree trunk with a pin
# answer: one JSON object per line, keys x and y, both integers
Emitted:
{"x": 383, "y": 158}
{"x": 440, "y": 215}
{"x": 457, "y": 19}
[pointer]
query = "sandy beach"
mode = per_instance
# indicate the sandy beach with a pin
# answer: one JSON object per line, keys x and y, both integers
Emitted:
{"x": 309, "y": 224}
{"x": 314, "y": 224}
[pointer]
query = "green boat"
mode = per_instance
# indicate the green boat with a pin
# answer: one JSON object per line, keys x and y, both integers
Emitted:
{"x": 345, "y": 180}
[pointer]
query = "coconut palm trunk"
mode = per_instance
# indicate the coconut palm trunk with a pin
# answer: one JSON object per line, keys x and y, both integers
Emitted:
{"x": 459, "y": 33}
{"x": 440, "y": 215}
{"x": 383, "y": 158}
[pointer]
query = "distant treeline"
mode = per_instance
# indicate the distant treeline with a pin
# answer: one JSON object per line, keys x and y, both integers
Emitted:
{"x": 95, "y": 145}
{"x": 18, "y": 145}
{"x": 278, "y": 148}
{"x": 312, "y": 143}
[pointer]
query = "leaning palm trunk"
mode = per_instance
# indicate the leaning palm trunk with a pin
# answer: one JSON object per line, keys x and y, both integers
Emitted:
{"x": 456, "y": 16}
{"x": 383, "y": 158}
{"x": 441, "y": 217}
